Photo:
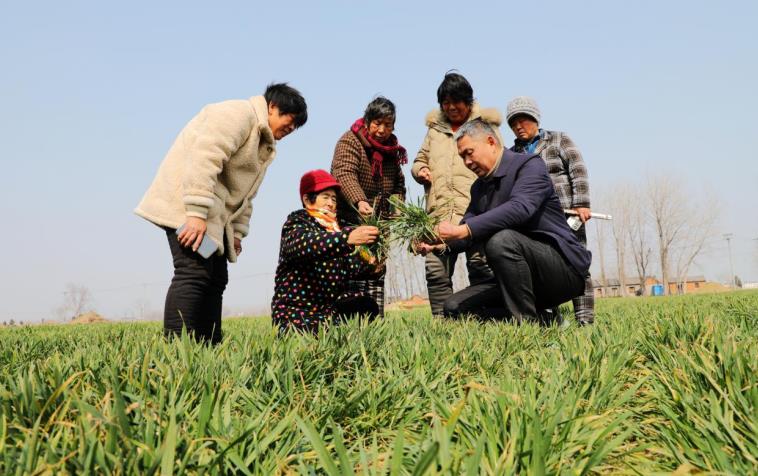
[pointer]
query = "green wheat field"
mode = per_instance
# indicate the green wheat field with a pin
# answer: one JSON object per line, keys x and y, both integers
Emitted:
{"x": 658, "y": 385}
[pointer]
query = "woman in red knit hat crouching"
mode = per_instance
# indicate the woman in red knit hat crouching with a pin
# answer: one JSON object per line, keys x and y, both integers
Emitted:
{"x": 316, "y": 261}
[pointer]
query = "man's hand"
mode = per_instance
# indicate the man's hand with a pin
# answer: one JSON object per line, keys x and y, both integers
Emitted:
{"x": 424, "y": 249}
{"x": 425, "y": 175}
{"x": 193, "y": 232}
{"x": 238, "y": 246}
{"x": 447, "y": 231}
{"x": 363, "y": 235}
{"x": 584, "y": 214}
{"x": 365, "y": 209}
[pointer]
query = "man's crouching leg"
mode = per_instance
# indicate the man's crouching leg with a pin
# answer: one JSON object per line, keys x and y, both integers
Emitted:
{"x": 482, "y": 301}
{"x": 532, "y": 274}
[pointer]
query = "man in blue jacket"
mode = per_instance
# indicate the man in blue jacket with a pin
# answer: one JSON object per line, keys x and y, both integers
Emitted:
{"x": 537, "y": 261}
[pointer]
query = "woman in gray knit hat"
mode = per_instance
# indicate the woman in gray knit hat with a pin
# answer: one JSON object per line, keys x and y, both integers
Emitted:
{"x": 568, "y": 172}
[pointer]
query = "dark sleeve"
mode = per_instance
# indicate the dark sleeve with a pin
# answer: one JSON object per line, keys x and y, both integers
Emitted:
{"x": 472, "y": 210}
{"x": 577, "y": 171}
{"x": 459, "y": 246}
{"x": 531, "y": 189}
{"x": 345, "y": 166}
{"x": 303, "y": 241}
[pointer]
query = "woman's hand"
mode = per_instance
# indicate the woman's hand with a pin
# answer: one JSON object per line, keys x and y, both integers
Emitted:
{"x": 193, "y": 232}
{"x": 584, "y": 214}
{"x": 365, "y": 209}
{"x": 238, "y": 246}
{"x": 363, "y": 235}
{"x": 425, "y": 175}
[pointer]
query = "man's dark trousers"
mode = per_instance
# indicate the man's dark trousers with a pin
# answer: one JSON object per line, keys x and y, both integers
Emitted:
{"x": 530, "y": 275}
{"x": 194, "y": 297}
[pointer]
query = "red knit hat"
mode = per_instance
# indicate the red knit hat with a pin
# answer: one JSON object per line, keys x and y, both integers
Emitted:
{"x": 316, "y": 181}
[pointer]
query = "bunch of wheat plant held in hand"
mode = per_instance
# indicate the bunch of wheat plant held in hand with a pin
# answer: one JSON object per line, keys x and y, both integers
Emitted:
{"x": 375, "y": 253}
{"x": 409, "y": 224}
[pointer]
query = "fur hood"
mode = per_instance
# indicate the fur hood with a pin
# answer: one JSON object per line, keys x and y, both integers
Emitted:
{"x": 447, "y": 196}
{"x": 437, "y": 120}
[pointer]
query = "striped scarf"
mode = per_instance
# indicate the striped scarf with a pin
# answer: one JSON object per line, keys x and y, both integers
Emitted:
{"x": 325, "y": 218}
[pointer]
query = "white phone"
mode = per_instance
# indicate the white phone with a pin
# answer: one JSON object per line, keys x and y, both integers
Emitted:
{"x": 207, "y": 246}
{"x": 574, "y": 222}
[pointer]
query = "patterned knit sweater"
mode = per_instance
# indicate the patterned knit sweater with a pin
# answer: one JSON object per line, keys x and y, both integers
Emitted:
{"x": 352, "y": 169}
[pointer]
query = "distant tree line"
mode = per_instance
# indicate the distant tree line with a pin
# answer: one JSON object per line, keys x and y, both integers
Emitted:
{"x": 660, "y": 225}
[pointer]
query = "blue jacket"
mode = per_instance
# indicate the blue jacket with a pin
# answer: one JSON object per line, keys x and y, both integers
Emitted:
{"x": 519, "y": 195}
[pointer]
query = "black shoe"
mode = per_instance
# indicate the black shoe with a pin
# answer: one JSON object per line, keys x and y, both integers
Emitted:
{"x": 585, "y": 318}
{"x": 550, "y": 317}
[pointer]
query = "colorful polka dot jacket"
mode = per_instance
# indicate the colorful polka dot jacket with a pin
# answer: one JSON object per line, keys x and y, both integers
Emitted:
{"x": 314, "y": 268}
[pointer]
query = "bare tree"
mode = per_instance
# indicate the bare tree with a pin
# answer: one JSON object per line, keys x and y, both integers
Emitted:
{"x": 639, "y": 237}
{"x": 684, "y": 221}
{"x": 621, "y": 204}
{"x": 601, "y": 243}
{"x": 77, "y": 299}
{"x": 405, "y": 274}
{"x": 668, "y": 205}
{"x": 403, "y": 271}
{"x": 699, "y": 227}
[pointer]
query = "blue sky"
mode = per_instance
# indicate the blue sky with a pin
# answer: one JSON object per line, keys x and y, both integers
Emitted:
{"x": 93, "y": 94}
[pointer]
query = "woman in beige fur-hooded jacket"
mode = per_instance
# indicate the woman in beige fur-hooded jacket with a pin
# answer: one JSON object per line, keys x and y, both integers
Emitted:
{"x": 206, "y": 183}
{"x": 447, "y": 181}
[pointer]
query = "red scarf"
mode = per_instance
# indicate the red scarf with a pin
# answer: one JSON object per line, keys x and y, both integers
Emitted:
{"x": 389, "y": 150}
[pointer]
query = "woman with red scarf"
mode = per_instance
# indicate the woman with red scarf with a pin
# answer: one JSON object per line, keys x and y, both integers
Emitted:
{"x": 317, "y": 259}
{"x": 367, "y": 163}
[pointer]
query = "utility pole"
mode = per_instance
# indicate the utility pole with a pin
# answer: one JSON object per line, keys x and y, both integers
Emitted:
{"x": 728, "y": 238}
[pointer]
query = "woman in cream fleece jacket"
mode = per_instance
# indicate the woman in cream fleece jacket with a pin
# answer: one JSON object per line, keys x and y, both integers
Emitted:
{"x": 207, "y": 182}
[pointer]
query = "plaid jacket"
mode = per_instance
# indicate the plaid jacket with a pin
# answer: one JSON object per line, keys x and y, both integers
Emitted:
{"x": 352, "y": 169}
{"x": 565, "y": 166}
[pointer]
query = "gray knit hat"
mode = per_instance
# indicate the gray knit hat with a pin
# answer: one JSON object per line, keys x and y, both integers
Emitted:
{"x": 523, "y": 105}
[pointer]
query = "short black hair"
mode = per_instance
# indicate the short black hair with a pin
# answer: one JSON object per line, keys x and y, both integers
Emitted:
{"x": 456, "y": 88}
{"x": 288, "y": 100}
{"x": 311, "y": 197}
{"x": 379, "y": 108}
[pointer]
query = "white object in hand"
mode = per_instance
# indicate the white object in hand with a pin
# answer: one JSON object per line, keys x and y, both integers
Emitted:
{"x": 574, "y": 222}
{"x": 601, "y": 216}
